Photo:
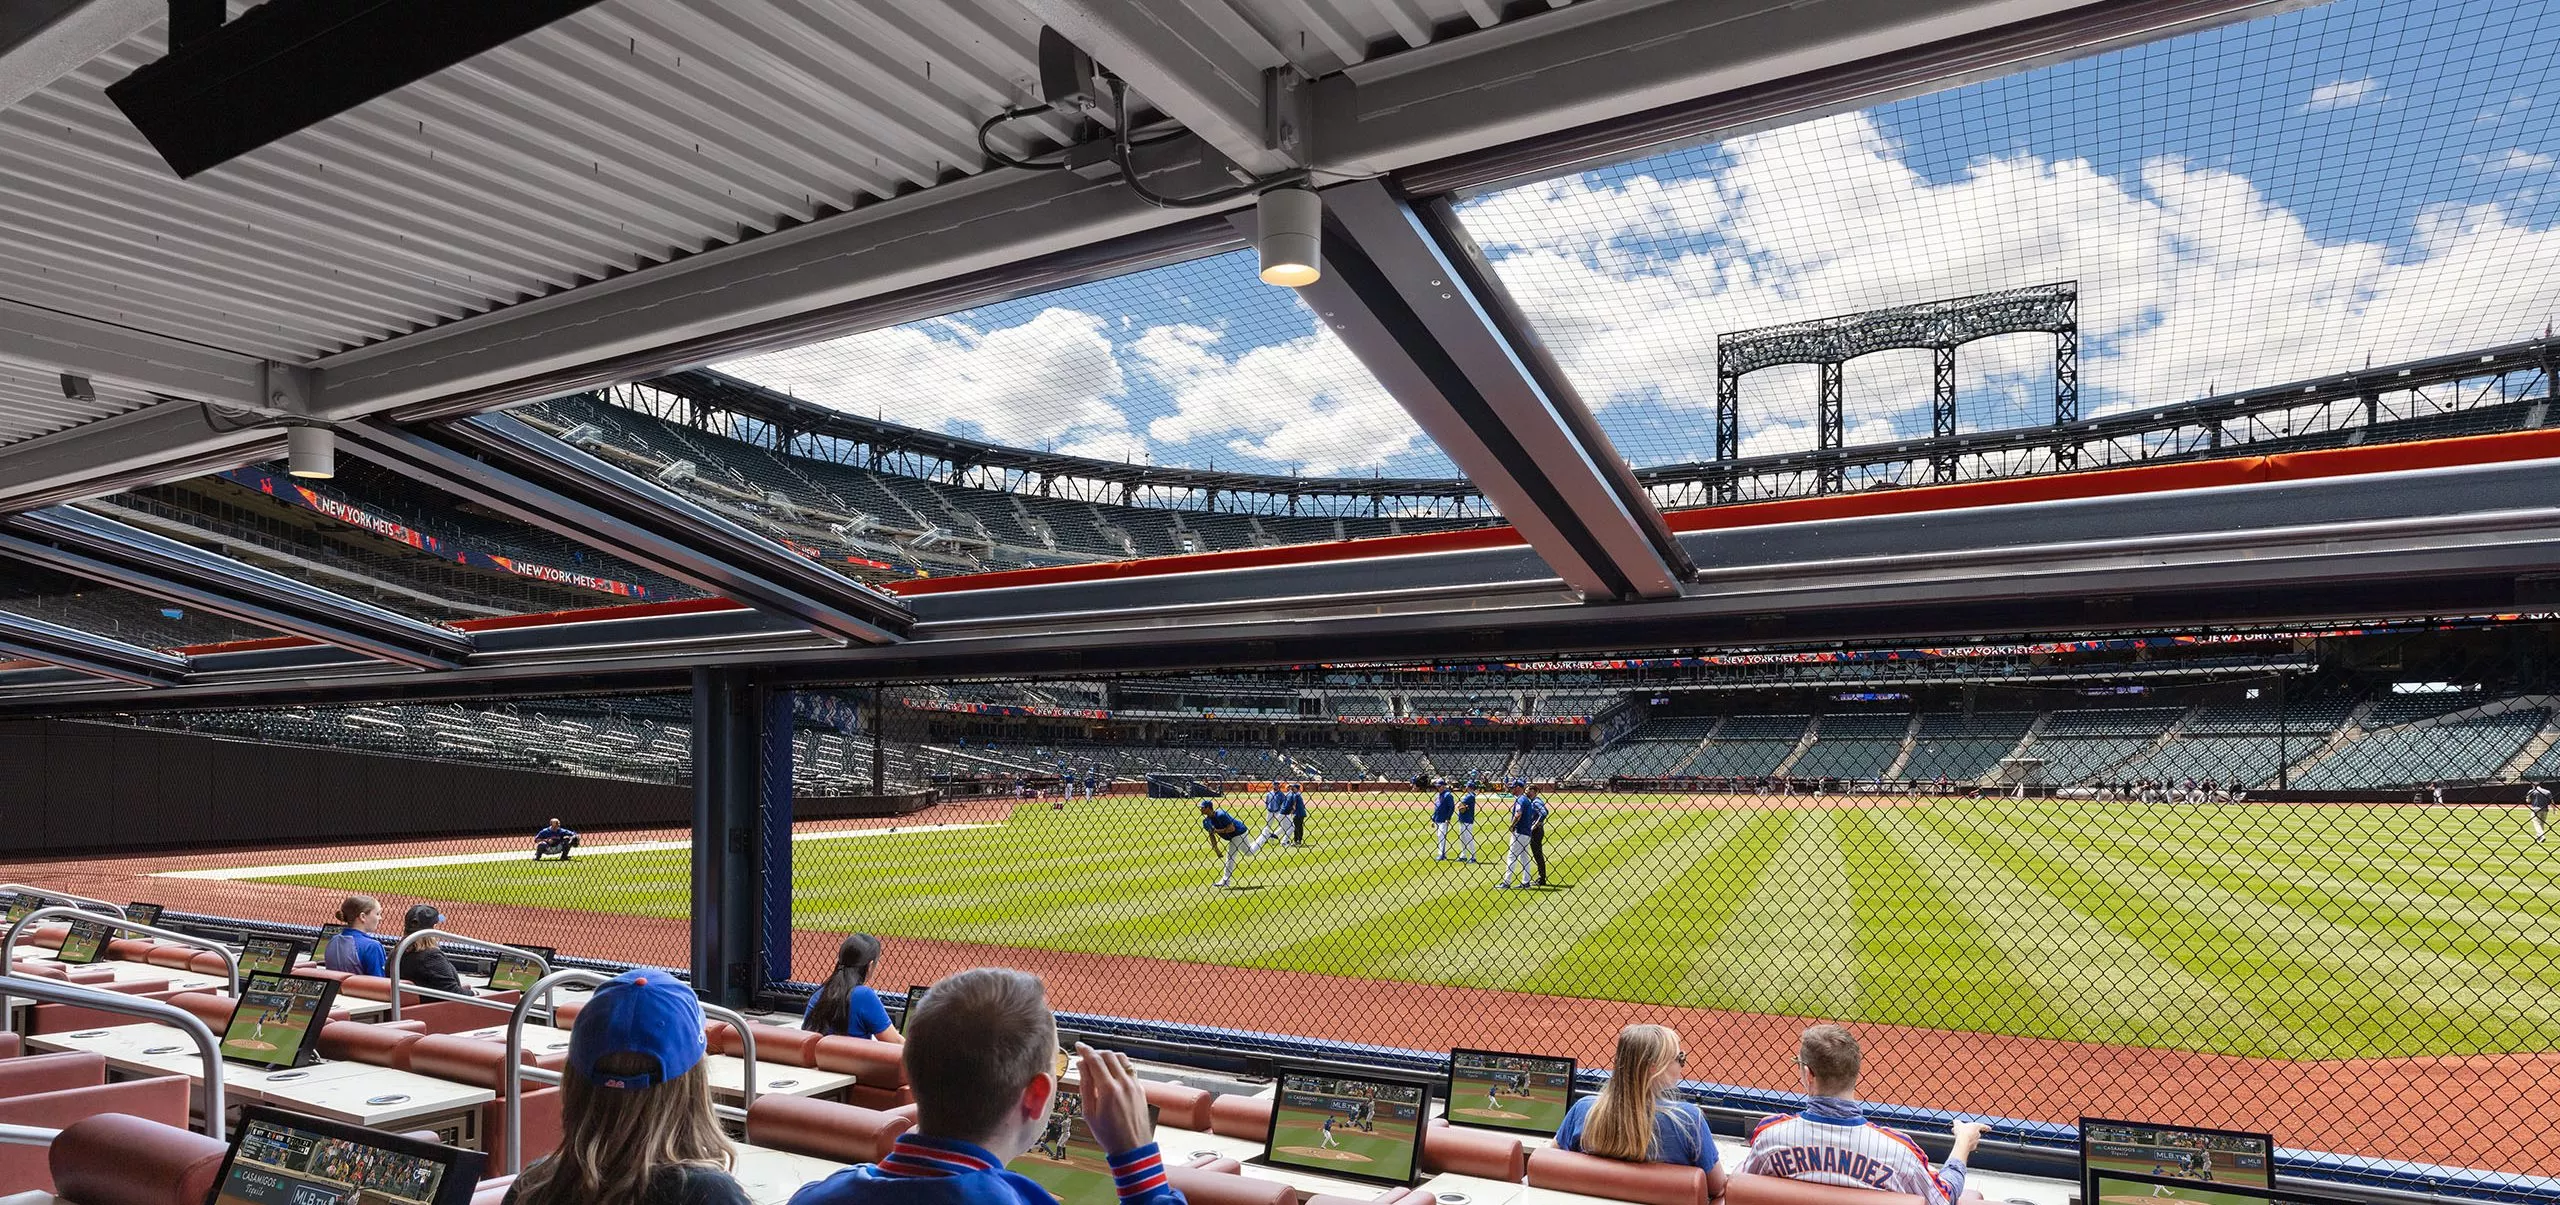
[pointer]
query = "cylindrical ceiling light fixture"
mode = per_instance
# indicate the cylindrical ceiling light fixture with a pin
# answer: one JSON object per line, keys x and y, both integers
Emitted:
{"x": 1291, "y": 238}
{"x": 311, "y": 451}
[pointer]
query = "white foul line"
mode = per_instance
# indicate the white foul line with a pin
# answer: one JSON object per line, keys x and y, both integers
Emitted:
{"x": 520, "y": 855}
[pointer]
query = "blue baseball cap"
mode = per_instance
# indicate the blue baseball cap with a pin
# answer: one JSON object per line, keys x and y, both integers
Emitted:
{"x": 640, "y": 1011}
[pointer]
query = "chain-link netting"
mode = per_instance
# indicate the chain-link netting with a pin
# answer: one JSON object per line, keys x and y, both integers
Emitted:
{"x": 2316, "y": 903}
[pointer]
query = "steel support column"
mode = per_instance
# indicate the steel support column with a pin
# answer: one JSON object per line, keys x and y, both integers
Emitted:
{"x": 1831, "y": 432}
{"x": 773, "y": 871}
{"x": 727, "y": 887}
{"x": 1942, "y": 411}
{"x": 1728, "y": 431}
{"x": 2066, "y": 391}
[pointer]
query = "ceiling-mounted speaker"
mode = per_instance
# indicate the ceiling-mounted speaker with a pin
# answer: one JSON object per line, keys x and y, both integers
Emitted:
{"x": 289, "y": 64}
{"x": 1066, "y": 72}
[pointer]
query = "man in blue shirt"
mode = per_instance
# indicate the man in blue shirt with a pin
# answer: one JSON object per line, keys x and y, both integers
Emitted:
{"x": 1275, "y": 807}
{"x": 1293, "y": 816}
{"x": 1467, "y": 825}
{"x": 1223, "y": 827}
{"x": 982, "y": 1058}
{"x": 1527, "y": 813}
{"x": 1538, "y": 836}
{"x": 553, "y": 839}
{"x": 1442, "y": 809}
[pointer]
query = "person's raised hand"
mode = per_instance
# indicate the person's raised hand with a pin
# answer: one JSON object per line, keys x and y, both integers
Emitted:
{"x": 1968, "y": 1135}
{"x": 1115, "y": 1101}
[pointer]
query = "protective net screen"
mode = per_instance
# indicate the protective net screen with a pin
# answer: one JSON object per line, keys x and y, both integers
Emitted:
{"x": 2250, "y": 886}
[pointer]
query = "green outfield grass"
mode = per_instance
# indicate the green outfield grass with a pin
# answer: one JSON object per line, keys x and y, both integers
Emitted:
{"x": 2304, "y": 932}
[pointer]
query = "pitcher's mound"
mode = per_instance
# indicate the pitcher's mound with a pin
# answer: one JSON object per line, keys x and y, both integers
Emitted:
{"x": 1317, "y": 1152}
{"x": 250, "y": 1044}
{"x": 1493, "y": 1114}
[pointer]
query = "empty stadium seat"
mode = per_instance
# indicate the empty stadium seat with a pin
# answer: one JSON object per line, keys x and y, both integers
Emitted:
{"x": 100, "y": 1154}
{"x": 11, "y": 1046}
{"x": 823, "y": 1129}
{"x": 483, "y": 1064}
{"x": 1234, "y": 1116}
{"x": 51, "y": 1072}
{"x": 1178, "y": 1105}
{"x": 361, "y": 1042}
{"x": 1484, "y": 1154}
{"x": 879, "y": 1073}
{"x": 1621, "y": 1180}
{"x": 1215, "y": 1181}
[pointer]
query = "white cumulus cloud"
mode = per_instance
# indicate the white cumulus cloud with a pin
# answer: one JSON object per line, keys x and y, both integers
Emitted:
{"x": 2341, "y": 93}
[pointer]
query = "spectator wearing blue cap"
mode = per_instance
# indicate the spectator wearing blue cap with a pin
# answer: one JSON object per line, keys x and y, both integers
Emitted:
{"x": 982, "y": 1057}
{"x": 635, "y": 1108}
{"x": 425, "y": 964}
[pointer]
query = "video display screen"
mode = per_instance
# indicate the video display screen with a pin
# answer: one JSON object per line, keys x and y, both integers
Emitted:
{"x": 1523, "y": 1092}
{"x": 277, "y": 1018}
{"x": 1346, "y": 1125}
{"x": 283, "y": 1160}
{"x": 1067, "y": 1160}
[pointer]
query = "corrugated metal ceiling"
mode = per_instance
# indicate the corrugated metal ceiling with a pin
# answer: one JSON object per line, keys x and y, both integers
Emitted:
{"x": 633, "y": 133}
{"x": 1322, "y": 36}
{"x": 31, "y": 402}
{"x": 627, "y": 135}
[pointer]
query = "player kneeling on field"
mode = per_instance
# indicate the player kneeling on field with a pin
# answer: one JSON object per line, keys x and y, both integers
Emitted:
{"x": 982, "y": 1058}
{"x": 1832, "y": 1142}
{"x": 553, "y": 839}
{"x": 1634, "y": 1117}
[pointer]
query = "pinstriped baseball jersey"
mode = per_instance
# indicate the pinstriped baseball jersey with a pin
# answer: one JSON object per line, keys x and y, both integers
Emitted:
{"x": 1832, "y": 1142}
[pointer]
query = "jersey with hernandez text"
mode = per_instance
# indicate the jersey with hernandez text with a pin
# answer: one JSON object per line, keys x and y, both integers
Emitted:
{"x": 1832, "y": 1142}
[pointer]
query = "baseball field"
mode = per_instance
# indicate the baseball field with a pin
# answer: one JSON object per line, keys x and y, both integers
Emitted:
{"x": 2295, "y": 932}
{"x": 1297, "y": 1136}
{"x": 1540, "y": 1107}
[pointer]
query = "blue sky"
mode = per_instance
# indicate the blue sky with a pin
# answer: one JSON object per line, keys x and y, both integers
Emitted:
{"x": 2243, "y": 206}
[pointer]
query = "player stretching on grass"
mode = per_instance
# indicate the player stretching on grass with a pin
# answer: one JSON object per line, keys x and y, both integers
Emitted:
{"x": 2538, "y": 799}
{"x": 1442, "y": 809}
{"x": 1222, "y": 826}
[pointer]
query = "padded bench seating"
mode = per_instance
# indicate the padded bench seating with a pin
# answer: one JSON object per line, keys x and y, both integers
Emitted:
{"x": 157, "y": 1101}
{"x": 823, "y": 1129}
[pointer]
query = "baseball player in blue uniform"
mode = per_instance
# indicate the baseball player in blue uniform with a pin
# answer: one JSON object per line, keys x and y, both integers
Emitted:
{"x": 1328, "y": 1131}
{"x": 1293, "y": 816}
{"x": 1467, "y": 825}
{"x": 1222, "y": 826}
{"x": 1442, "y": 809}
{"x": 2538, "y": 799}
{"x": 1274, "y": 806}
{"x": 1527, "y": 812}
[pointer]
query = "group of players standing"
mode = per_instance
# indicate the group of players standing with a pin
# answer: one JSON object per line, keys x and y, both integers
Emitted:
{"x": 1285, "y": 817}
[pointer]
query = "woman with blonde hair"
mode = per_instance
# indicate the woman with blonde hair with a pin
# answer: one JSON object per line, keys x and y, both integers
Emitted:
{"x": 1634, "y": 1117}
{"x": 635, "y": 1106}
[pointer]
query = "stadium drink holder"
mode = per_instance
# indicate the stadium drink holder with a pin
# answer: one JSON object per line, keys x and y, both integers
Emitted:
{"x": 49, "y": 991}
{"x": 399, "y": 989}
{"x": 540, "y": 991}
{"x": 9, "y": 945}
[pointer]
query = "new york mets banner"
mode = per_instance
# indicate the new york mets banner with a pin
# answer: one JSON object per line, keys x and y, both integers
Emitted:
{"x": 349, "y": 513}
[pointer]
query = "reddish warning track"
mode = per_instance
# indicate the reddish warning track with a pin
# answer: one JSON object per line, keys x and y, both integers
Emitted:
{"x": 2488, "y": 1111}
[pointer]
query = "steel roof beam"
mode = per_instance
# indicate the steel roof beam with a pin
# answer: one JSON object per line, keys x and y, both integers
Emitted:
{"x": 501, "y": 463}
{"x": 1418, "y": 314}
{"x": 86, "y": 545}
{"x": 70, "y": 648}
{"x": 1200, "y": 64}
{"x": 43, "y": 40}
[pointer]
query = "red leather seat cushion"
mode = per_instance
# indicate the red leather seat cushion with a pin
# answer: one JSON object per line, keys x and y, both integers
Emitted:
{"x": 11, "y": 1046}
{"x": 823, "y": 1129}
{"x": 215, "y": 1011}
{"x": 463, "y": 1060}
{"x": 175, "y": 957}
{"x": 774, "y": 1044}
{"x": 356, "y": 1041}
{"x": 52, "y": 1072}
{"x": 878, "y": 1065}
{"x": 1618, "y": 1179}
{"x": 121, "y": 1144}
{"x": 1240, "y": 1117}
{"x": 1745, "y": 1189}
{"x": 1178, "y": 1105}
{"x": 1220, "y": 1188}
{"x": 1482, "y": 1153}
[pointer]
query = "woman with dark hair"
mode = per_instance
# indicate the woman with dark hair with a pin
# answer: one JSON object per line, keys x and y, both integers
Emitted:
{"x": 845, "y": 1003}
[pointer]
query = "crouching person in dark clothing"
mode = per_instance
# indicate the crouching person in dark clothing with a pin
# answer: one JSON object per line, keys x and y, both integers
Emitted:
{"x": 982, "y": 1057}
{"x": 554, "y": 840}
